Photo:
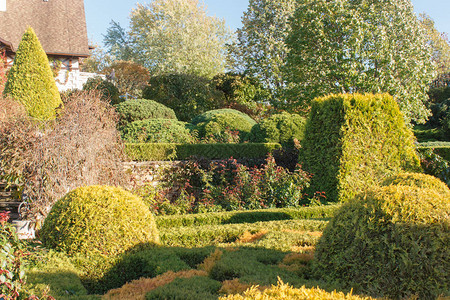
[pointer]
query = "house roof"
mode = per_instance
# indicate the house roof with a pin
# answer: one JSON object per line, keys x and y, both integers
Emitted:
{"x": 60, "y": 25}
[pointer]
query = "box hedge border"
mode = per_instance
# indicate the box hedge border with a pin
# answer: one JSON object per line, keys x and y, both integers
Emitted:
{"x": 171, "y": 151}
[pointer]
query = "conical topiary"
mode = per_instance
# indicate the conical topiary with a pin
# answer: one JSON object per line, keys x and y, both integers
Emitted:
{"x": 30, "y": 80}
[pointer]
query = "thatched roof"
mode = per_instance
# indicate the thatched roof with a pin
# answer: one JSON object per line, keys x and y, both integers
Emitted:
{"x": 60, "y": 25}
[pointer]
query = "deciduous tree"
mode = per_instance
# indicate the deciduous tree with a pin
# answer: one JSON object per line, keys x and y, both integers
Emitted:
{"x": 348, "y": 46}
{"x": 260, "y": 50}
{"x": 176, "y": 36}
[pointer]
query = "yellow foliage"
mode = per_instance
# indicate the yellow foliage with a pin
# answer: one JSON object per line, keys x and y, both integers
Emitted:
{"x": 210, "y": 261}
{"x": 248, "y": 237}
{"x": 235, "y": 287}
{"x": 137, "y": 289}
{"x": 286, "y": 292}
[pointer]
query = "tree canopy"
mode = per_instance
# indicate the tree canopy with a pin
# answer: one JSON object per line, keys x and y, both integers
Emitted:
{"x": 260, "y": 50}
{"x": 369, "y": 46}
{"x": 176, "y": 36}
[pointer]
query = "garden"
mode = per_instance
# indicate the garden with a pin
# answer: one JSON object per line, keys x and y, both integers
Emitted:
{"x": 345, "y": 196}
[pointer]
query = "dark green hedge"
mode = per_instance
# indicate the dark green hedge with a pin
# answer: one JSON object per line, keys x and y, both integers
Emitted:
{"x": 157, "y": 131}
{"x": 168, "y": 151}
{"x": 233, "y": 217}
{"x": 441, "y": 148}
{"x": 353, "y": 141}
{"x": 280, "y": 128}
{"x": 142, "y": 109}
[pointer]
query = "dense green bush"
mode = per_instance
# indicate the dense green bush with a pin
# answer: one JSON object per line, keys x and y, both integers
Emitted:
{"x": 214, "y": 123}
{"x": 157, "y": 131}
{"x": 30, "y": 79}
{"x": 98, "y": 220}
{"x": 418, "y": 180}
{"x": 107, "y": 90}
{"x": 142, "y": 109}
{"x": 391, "y": 242}
{"x": 241, "y": 92}
{"x": 168, "y": 151}
{"x": 353, "y": 141}
{"x": 434, "y": 164}
{"x": 187, "y": 95}
{"x": 280, "y": 128}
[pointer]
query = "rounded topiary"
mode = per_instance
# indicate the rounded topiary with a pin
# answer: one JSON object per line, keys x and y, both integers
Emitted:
{"x": 100, "y": 220}
{"x": 390, "y": 241}
{"x": 30, "y": 79}
{"x": 418, "y": 180}
{"x": 107, "y": 89}
{"x": 157, "y": 131}
{"x": 280, "y": 128}
{"x": 216, "y": 122}
{"x": 142, "y": 109}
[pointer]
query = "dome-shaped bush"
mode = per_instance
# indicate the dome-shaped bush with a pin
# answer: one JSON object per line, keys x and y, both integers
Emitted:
{"x": 107, "y": 89}
{"x": 157, "y": 131}
{"x": 143, "y": 109}
{"x": 419, "y": 180}
{"x": 389, "y": 241}
{"x": 98, "y": 220}
{"x": 280, "y": 128}
{"x": 216, "y": 122}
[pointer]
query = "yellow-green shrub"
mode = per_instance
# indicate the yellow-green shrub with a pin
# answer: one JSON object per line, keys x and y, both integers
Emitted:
{"x": 286, "y": 292}
{"x": 419, "y": 180}
{"x": 352, "y": 142}
{"x": 389, "y": 241}
{"x": 30, "y": 79}
{"x": 98, "y": 220}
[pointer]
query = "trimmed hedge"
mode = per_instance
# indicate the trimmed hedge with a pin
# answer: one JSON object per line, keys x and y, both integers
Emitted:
{"x": 390, "y": 241}
{"x": 233, "y": 217}
{"x": 142, "y": 109}
{"x": 98, "y": 221}
{"x": 30, "y": 79}
{"x": 280, "y": 128}
{"x": 419, "y": 180}
{"x": 200, "y": 236}
{"x": 286, "y": 292}
{"x": 353, "y": 141}
{"x": 193, "y": 288}
{"x": 216, "y": 122}
{"x": 169, "y": 151}
{"x": 157, "y": 131}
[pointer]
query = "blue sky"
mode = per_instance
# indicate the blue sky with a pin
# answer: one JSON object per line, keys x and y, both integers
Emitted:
{"x": 99, "y": 13}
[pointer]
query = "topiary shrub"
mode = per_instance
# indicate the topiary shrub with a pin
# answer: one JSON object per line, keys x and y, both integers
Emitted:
{"x": 107, "y": 90}
{"x": 220, "y": 121}
{"x": 390, "y": 242}
{"x": 157, "y": 131}
{"x": 30, "y": 79}
{"x": 280, "y": 128}
{"x": 188, "y": 95}
{"x": 142, "y": 109}
{"x": 353, "y": 141}
{"x": 418, "y": 180}
{"x": 98, "y": 221}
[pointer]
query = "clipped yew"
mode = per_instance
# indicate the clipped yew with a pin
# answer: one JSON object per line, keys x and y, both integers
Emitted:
{"x": 30, "y": 79}
{"x": 354, "y": 141}
{"x": 98, "y": 220}
{"x": 390, "y": 241}
{"x": 419, "y": 180}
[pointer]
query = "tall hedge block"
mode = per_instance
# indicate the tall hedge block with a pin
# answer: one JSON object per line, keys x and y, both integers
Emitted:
{"x": 354, "y": 141}
{"x": 30, "y": 80}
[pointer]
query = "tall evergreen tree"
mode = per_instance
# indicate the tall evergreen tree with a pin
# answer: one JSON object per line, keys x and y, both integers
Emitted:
{"x": 30, "y": 79}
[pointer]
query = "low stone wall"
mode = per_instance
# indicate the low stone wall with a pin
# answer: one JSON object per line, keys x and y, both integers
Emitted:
{"x": 148, "y": 171}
